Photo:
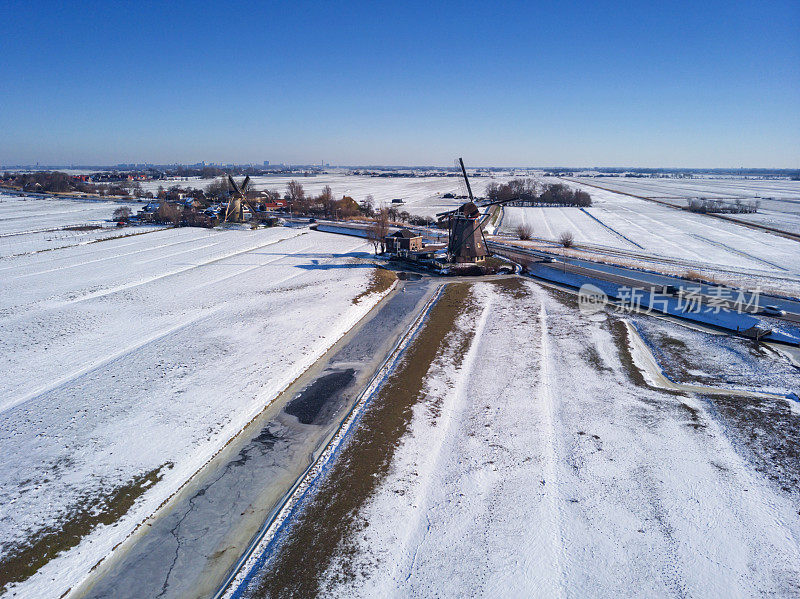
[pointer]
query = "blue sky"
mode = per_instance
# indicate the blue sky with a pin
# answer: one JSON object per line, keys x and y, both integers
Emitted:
{"x": 702, "y": 84}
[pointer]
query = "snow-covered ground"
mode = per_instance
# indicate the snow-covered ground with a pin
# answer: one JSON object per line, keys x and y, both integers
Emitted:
{"x": 711, "y": 187}
{"x": 143, "y": 355}
{"x": 33, "y": 224}
{"x": 540, "y": 464}
{"x": 779, "y": 199}
{"x": 619, "y": 221}
{"x": 549, "y": 223}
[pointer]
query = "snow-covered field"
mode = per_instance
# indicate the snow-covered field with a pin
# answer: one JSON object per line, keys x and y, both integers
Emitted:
{"x": 711, "y": 187}
{"x": 541, "y": 464}
{"x": 779, "y": 199}
{"x": 691, "y": 356}
{"x": 549, "y": 223}
{"x": 130, "y": 362}
{"x": 619, "y": 221}
{"x": 34, "y": 224}
{"x": 783, "y": 221}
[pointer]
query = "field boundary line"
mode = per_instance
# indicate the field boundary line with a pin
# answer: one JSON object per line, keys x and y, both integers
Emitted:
{"x": 614, "y": 231}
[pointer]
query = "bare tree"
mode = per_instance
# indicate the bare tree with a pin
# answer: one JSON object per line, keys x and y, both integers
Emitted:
{"x": 218, "y": 189}
{"x": 135, "y": 189}
{"x": 368, "y": 205}
{"x": 168, "y": 213}
{"x": 379, "y": 229}
{"x": 524, "y": 231}
{"x": 122, "y": 214}
{"x": 533, "y": 190}
{"x": 295, "y": 191}
{"x": 493, "y": 191}
{"x": 326, "y": 199}
{"x": 566, "y": 238}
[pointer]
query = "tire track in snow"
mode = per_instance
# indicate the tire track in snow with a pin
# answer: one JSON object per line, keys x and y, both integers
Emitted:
{"x": 252, "y": 267}
{"x": 546, "y": 221}
{"x": 51, "y": 229}
{"x": 750, "y": 238}
{"x": 554, "y": 554}
{"x": 457, "y": 404}
{"x": 25, "y": 212}
{"x": 28, "y": 215}
{"x": 728, "y": 248}
{"x": 723, "y": 246}
{"x": 186, "y": 251}
{"x": 248, "y": 269}
{"x": 614, "y": 231}
{"x": 73, "y": 241}
{"x": 127, "y": 286}
{"x": 573, "y": 223}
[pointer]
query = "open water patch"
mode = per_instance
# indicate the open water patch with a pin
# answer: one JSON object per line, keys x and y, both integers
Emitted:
{"x": 309, "y": 405}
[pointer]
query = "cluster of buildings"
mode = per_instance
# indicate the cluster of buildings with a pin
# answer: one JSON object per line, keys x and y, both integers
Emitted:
{"x": 114, "y": 177}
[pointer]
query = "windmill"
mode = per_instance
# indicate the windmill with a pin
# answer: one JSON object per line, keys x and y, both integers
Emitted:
{"x": 237, "y": 200}
{"x": 465, "y": 241}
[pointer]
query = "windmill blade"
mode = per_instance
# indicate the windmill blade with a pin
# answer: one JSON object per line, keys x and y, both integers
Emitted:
{"x": 246, "y": 183}
{"x": 230, "y": 208}
{"x": 466, "y": 179}
{"x": 253, "y": 208}
{"x": 236, "y": 189}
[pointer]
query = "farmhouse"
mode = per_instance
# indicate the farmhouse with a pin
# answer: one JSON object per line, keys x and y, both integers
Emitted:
{"x": 403, "y": 242}
{"x": 273, "y": 204}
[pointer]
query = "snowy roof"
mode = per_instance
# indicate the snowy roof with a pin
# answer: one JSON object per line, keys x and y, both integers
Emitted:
{"x": 405, "y": 234}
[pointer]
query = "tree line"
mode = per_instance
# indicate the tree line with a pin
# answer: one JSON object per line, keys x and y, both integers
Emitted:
{"x": 534, "y": 191}
{"x": 58, "y": 182}
{"x": 705, "y": 206}
{"x": 47, "y": 182}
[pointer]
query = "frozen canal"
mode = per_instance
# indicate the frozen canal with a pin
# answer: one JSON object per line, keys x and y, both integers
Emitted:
{"x": 188, "y": 551}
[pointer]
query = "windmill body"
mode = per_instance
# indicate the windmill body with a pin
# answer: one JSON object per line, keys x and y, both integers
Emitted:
{"x": 465, "y": 242}
{"x": 237, "y": 200}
